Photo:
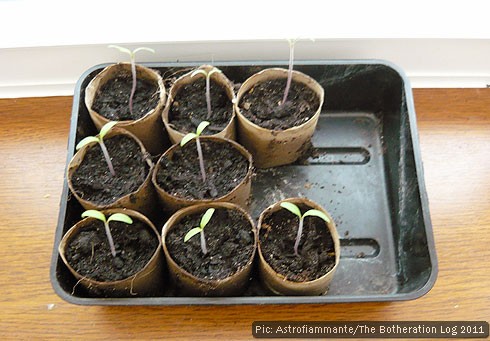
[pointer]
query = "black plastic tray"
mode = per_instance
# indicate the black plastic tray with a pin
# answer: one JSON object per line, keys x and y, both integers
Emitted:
{"x": 368, "y": 175}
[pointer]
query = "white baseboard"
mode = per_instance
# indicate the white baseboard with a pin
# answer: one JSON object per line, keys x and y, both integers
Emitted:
{"x": 429, "y": 63}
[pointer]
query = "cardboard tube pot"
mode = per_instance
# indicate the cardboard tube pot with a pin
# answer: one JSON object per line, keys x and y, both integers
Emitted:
{"x": 276, "y": 282}
{"x": 271, "y": 148}
{"x": 147, "y": 281}
{"x": 149, "y": 128}
{"x": 239, "y": 195}
{"x": 141, "y": 200}
{"x": 229, "y": 132}
{"x": 192, "y": 285}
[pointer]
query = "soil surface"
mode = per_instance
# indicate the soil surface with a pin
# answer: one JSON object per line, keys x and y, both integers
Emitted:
{"x": 229, "y": 240}
{"x": 189, "y": 108}
{"x": 262, "y": 104}
{"x": 316, "y": 248}
{"x": 181, "y": 176}
{"x": 112, "y": 100}
{"x": 93, "y": 181}
{"x": 90, "y": 255}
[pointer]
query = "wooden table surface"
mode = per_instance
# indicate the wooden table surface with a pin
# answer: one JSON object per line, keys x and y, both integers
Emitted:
{"x": 454, "y": 126}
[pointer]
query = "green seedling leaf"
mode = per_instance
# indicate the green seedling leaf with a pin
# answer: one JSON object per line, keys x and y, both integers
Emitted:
{"x": 201, "y": 127}
{"x": 291, "y": 208}
{"x": 317, "y": 213}
{"x": 105, "y": 129}
{"x": 121, "y": 49}
{"x": 85, "y": 141}
{"x": 143, "y": 49}
{"x": 94, "y": 214}
{"x": 199, "y": 71}
{"x": 187, "y": 138}
{"x": 214, "y": 70}
{"x": 192, "y": 233}
{"x": 120, "y": 217}
{"x": 206, "y": 217}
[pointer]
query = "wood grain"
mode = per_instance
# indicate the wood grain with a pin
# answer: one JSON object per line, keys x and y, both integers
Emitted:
{"x": 454, "y": 128}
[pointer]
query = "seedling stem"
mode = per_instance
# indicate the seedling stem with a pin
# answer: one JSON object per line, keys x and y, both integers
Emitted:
{"x": 207, "y": 74}
{"x": 291, "y": 42}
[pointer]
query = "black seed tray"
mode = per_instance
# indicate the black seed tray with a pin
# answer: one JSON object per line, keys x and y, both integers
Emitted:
{"x": 367, "y": 173}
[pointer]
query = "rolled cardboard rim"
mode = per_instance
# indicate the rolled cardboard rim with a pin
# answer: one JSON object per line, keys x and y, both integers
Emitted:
{"x": 140, "y": 200}
{"x": 142, "y": 282}
{"x": 277, "y": 282}
{"x": 239, "y": 195}
{"x": 229, "y": 132}
{"x": 271, "y": 148}
{"x": 232, "y": 284}
{"x": 147, "y": 128}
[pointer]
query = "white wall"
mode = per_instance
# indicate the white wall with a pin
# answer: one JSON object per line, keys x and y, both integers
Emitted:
{"x": 46, "y": 45}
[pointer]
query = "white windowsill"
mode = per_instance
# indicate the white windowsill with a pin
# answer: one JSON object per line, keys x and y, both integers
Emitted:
{"x": 46, "y": 45}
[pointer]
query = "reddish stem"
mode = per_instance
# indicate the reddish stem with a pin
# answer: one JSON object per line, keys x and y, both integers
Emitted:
{"x": 133, "y": 89}
{"x": 201, "y": 159}
{"x": 298, "y": 237}
{"x": 109, "y": 238}
{"x": 107, "y": 157}
{"x": 290, "y": 73}
{"x": 203, "y": 243}
{"x": 208, "y": 95}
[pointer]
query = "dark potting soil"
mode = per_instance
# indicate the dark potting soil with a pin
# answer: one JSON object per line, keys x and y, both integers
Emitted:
{"x": 181, "y": 176}
{"x": 112, "y": 100}
{"x": 189, "y": 108}
{"x": 316, "y": 249}
{"x": 90, "y": 255}
{"x": 229, "y": 240}
{"x": 93, "y": 181}
{"x": 261, "y": 104}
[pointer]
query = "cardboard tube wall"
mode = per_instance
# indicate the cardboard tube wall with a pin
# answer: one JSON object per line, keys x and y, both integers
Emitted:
{"x": 277, "y": 282}
{"x": 229, "y": 132}
{"x": 141, "y": 200}
{"x": 239, "y": 195}
{"x": 232, "y": 285}
{"x": 149, "y": 128}
{"x": 271, "y": 148}
{"x": 147, "y": 281}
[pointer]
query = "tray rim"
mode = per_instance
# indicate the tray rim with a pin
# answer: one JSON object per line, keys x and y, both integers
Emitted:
{"x": 254, "y": 300}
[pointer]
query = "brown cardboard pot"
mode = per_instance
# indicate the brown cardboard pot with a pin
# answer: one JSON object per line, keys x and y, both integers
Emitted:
{"x": 145, "y": 282}
{"x": 141, "y": 200}
{"x": 275, "y": 281}
{"x": 192, "y": 285}
{"x": 271, "y": 148}
{"x": 239, "y": 195}
{"x": 175, "y": 136}
{"x": 149, "y": 128}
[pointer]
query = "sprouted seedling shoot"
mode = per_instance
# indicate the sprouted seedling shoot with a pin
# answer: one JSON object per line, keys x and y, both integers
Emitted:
{"x": 291, "y": 42}
{"x": 133, "y": 68}
{"x": 295, "y": 210}
{"x": 207, "y": 74}
{"x": 196, "y": 135}
{"x": 114, "y": 217}
{"x": 100, "y": 140}
{"x": 200, "y": 229}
